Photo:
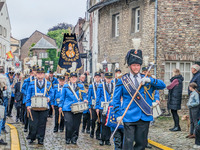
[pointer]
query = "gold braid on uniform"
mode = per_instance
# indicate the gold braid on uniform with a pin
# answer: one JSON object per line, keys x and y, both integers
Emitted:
{"x": 146, "y": 91}
{"x": 81, "y": 91}
{"x": 49, "y": 89}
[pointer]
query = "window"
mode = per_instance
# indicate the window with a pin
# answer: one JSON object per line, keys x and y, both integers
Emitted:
{"x": 185, "y": 69}
{"x": 1, "y": 50}
{"x": 137, "y": 20}
{"x": 40, "y": 55}
{"x": 115, "y": 25}
{"x": 43, "y": 55}
{"x": 5, "y": 32}
{"x": 1, "y": 30}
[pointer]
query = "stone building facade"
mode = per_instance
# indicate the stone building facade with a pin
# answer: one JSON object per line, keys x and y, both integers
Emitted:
{"x": 177, "y": 38}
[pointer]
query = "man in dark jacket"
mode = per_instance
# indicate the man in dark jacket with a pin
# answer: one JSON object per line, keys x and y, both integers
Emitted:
{"x": 196, "y": 78}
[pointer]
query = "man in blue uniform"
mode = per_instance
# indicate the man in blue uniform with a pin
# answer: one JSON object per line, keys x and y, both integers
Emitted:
{"x": 136, "y": 121}
{"x": 39, "y": 87}
{"x": 53, "y": 81}
{"x": 71, "y": 94}
{"x": 104, "y": 94}
{"x": 92, "y": 100}
{"x": 56, "y": 99}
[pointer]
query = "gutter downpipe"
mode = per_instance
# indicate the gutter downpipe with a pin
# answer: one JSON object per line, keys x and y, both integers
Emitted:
{"x": 155, "y": 36}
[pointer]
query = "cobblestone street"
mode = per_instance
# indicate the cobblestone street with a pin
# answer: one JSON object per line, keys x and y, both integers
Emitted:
{"x": 56, "y": 141}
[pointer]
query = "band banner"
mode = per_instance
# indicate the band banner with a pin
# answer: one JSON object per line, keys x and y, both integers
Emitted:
{"x": 69, "y": 53}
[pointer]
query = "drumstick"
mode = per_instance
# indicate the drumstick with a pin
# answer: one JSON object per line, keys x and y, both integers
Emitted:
{"x": 27, "y": 114}
{"x": 62, "y": 114}
{"x": 98, "y": 118}
{"x": 31, "y": 116}
{"x": 90, "y": 114}
{"x": 59, "y": 118}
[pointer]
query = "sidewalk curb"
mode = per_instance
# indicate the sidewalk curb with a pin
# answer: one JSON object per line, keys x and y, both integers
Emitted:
{"x": 15, "y": 143}
{"x": 159, "y": 145}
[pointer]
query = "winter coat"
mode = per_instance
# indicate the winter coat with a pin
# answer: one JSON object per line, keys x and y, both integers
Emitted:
{"x": 196, "y": 79}
{"x": 18, "y": 95}
{"x": 175, "y": 94}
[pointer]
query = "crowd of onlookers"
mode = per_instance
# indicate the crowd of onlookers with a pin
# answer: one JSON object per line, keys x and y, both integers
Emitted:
{"x": 174, "y": 102}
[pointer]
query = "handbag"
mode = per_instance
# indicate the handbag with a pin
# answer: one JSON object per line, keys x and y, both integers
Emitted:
{"x": 111, "y": 120}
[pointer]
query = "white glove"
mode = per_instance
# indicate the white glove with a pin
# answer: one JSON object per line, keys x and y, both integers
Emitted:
{"x": 145, "y": 80}
{"x": 118, "y": 119}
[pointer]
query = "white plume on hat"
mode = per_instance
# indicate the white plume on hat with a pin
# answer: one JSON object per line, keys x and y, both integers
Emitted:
{"x": 63, "y": 72}
{"x": 109, "y": 67}
{"x": 117, "y": 66}
{"x": 146, "y": 60}
{"x": 34, "y": 60}
{"x": 73, "y": 68}
{"x": 51, "y": 67}
{"x": 40, "y": 63}
{"x": 31, "y": 63}
{"x": 136, "y": 43}
{"x": 88, "y": 78}
{"x": 55, "y": 73}
{"x": 12, "y": 69}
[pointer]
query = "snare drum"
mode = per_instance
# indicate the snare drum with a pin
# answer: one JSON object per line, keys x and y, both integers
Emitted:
{"x": 156, "y": 110}
{"x": 58, "y": 100}
{"x": 2, "y": 112}
{"x": 105, "y": 107}
{"x": 94, "y": 102}
{"x": 79, "y": 107}
{"x": 39, "y": 103}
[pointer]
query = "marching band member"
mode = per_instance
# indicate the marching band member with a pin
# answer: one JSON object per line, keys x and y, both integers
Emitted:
{"x": 136, "y": 121}
{"x": 71, "y": 94}
{"x": 56, "y": 99}
{"x": 104, "y": 94}
{"x": 117, "y": 73}
{"x": 66, "y": 77}
{"x": 39, "y": 87}
{"x": 86, "y": 113}
{"x": 92, "y": 100}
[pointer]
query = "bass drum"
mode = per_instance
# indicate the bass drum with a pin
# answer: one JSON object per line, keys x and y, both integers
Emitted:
{"x": 156, "y": 110}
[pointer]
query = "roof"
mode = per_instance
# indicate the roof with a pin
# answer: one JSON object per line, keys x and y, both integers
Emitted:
{"x": 1, "y": 5}
{"x": 101, "y": 4}
{"x": 16, "y": 51}
{"x": 43, "y": 44}
{"x": 23, "y": 41}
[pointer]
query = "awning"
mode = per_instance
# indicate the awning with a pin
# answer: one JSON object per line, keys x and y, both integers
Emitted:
{"x": 101, "y": 4}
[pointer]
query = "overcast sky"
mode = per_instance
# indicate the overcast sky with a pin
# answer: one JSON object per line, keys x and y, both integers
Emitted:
{"x": 26, "y": 16}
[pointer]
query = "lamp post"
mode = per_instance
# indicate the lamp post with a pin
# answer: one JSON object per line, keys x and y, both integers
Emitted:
{"x": 85, "y": 43}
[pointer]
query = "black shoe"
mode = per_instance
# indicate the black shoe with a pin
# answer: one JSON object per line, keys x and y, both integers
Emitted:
{"x": 101, "y": 142}
{"x": 92, "y": 136}
{"x": 55, "y": 130}
{"x": 176, "y": 129}
{"x": 148, "y": 146}
{"x": 107, "y": 143}
{"x": 28, "y": 137}
{"x": 61, "y": 130}
{"x": 9, "y": 115}
{"x": 98, "y": 138}
{"x": 73, "y": 142}
{"x": 16, "y": 119}
{"x": 67, "y": 141}
{"x": 51, "y": 116}
{"x": 88, "y": 132}
{"x": 31, "y": 141}
{"x": 40, "y": 143}
{"x": 25, "y": 130}
{"x": 4, "y": 131}
{"x": 83, "y": 131}
{"x": 2, "y": 142}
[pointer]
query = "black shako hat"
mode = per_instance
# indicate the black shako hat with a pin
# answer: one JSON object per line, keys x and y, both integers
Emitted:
{"x": 134, "y": 57}
{"x": 116, "y": 70}
{"x": 97, "y": 73}
{"x": 62, "y": 77}
{"x": 108, "y": 74}
{"x": 40, "y": 70}
{"x": 145, "y": 68}
{"x": 73, "y": 74}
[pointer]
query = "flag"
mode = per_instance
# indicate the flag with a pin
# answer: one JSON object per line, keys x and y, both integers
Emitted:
{"x": 9, "y": 55}
{"x": 69, "y": 53}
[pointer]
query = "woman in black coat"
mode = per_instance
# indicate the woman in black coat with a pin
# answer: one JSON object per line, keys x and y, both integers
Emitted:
{"x": 175, "y": 96}
{"x": 18, "y": 99}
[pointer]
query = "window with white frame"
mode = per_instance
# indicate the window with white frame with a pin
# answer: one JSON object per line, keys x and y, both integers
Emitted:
{"x": 117, "y": 25}
{"x": 185, "y": 69}
{"x": 137, "y": 20}
{"x": 1, "y": 30}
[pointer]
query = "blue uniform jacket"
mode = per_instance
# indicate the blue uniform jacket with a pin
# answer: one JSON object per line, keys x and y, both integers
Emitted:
{"x": 86, "y": 111}
{"x": 55, "y": 81}
{"x": 91, "y": 95}
{"x": 31, "y": 92}
{"x": 134, "y": 112}
{"x": 100, "y": 96}
{"x": 56, "y": 94}
{"x": 68, "y": 98}
{"x": 156, "y": 96}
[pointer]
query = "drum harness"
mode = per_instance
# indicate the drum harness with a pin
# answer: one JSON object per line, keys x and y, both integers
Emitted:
{"x": 146, "y": 91}
{"x": 59, "y": 89}
{"x": 74, "y": 93}
{"x": 45, "y": 87}
{"x": 94, "y": 91}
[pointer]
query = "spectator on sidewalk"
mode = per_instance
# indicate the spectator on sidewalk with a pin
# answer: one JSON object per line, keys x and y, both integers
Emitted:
{"x": 196, "y": 78}
{"x": 7, "y": 96}
{"x": 193, "y": 105}
{"x": 174, "y": 97}
{"x": 197, "y": 137}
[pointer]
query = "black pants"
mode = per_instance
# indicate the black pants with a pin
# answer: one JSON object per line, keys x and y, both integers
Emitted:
{"x": 193, "y": 119}
{"x": 175, "y": 117}
{"x": 72, "y": 123}
{"x": 18, "y": 112}
{"x": 62, "y": 123}
{"x": 23, "y": 108}
{"x": 135, "y": 131}
{"x": 86, "y": 121}
{"x": 38, "y": 125}
{"x": 11, "y": 106}
{"x": 197, "y": 135}
{"x": 118, "y": 139}
{"x": 26, "y": 120}
{"x": 106, "y": 131}
{"x": 94, "y": 119}
{"x": 50, "y": 111}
